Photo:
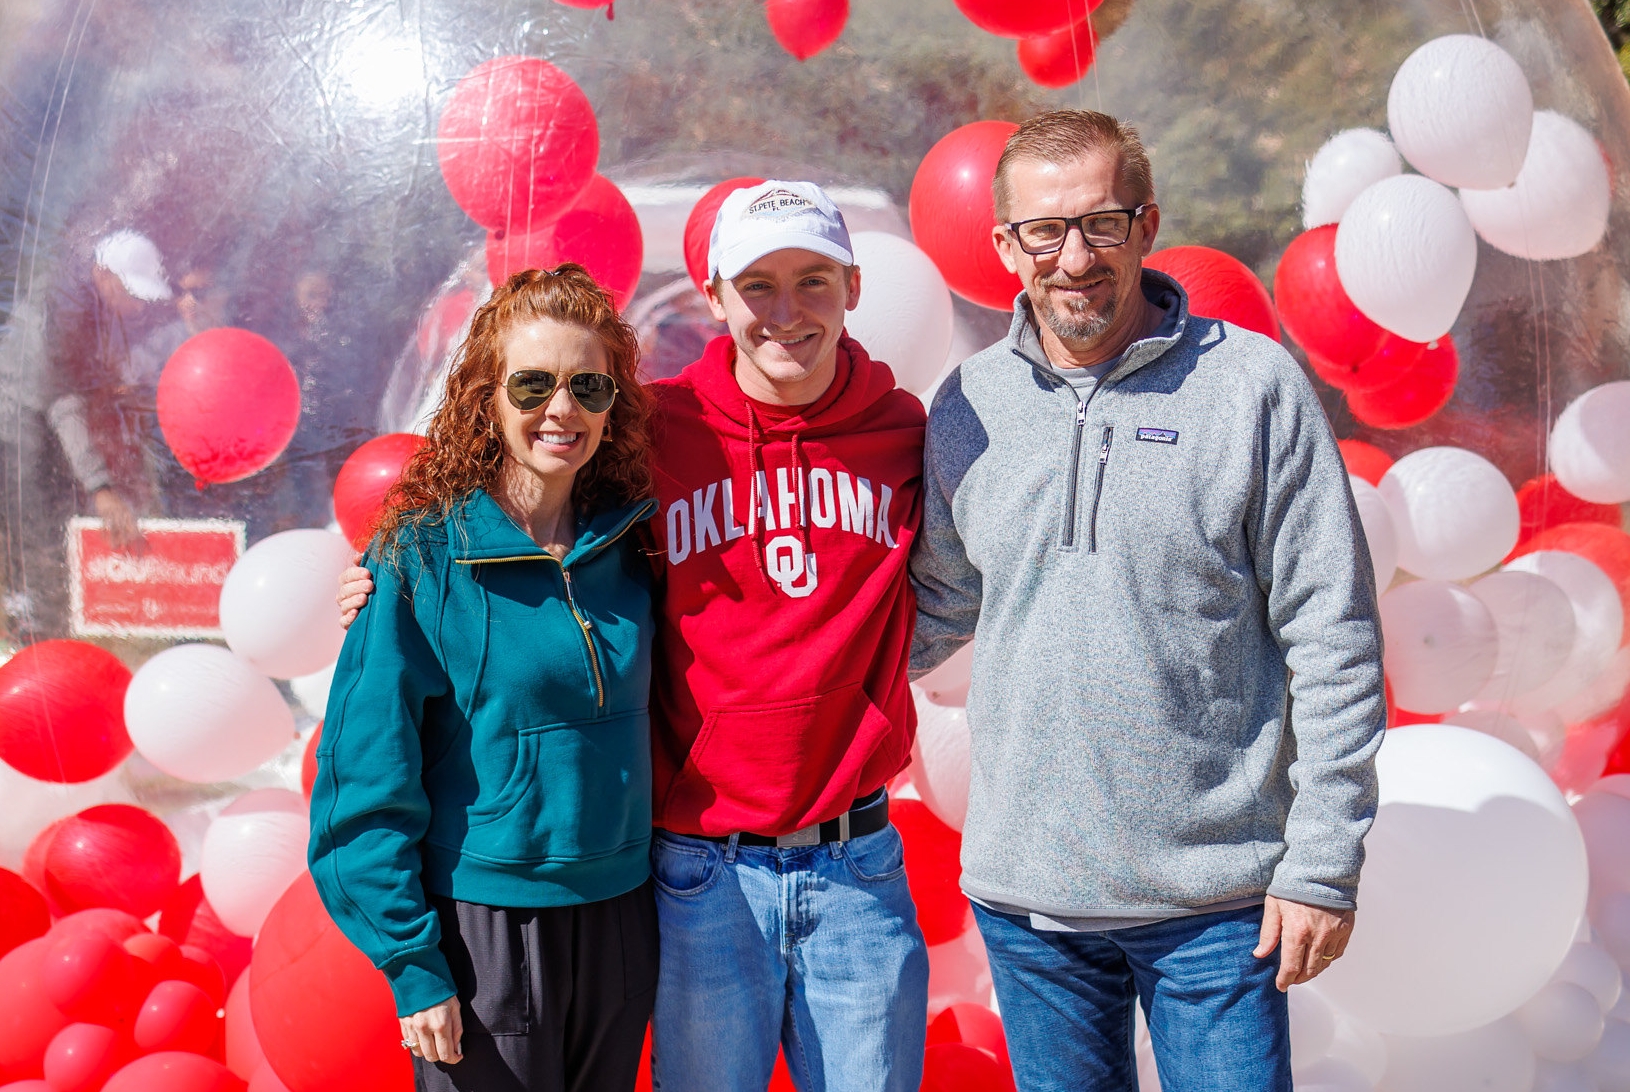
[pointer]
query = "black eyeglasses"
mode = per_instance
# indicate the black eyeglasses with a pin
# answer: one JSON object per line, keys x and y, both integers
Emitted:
{"x": 1104, "y": 228}
{"x": 594, "y": 391}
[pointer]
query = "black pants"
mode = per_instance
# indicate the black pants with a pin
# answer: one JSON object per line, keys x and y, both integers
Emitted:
{"x": 553, "y": 1000}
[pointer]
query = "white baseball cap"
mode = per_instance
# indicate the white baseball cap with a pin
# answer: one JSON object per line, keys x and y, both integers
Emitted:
{"x": 135, "y": 260}
{"x": 771, "y": 216}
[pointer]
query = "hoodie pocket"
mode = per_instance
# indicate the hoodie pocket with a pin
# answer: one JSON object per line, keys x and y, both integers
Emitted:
{"x": 770, "y": 768}
{"x": 578, "y": 790}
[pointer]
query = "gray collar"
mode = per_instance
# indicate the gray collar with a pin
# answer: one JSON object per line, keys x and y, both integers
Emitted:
{"x": 1158, "y": 288}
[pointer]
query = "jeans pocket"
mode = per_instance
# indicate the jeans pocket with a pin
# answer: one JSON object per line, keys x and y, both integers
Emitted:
{"x": 683, "y": 868}
{"x": 876, "y": 858}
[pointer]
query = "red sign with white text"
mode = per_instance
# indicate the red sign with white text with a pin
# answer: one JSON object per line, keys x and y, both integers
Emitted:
{"x": 168, "y": 585}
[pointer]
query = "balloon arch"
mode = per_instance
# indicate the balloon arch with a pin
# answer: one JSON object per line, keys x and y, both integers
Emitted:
{"x": 1423, "y": 199}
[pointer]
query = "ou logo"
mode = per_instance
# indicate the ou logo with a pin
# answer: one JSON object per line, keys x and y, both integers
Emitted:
{"x": 786, "y": 562}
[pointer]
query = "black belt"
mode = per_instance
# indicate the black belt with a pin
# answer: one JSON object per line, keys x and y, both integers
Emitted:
{"x": 867, "y": 815}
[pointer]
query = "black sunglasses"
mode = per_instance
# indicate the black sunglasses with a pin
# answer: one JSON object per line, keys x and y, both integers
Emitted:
{"x": 594, "y": 391}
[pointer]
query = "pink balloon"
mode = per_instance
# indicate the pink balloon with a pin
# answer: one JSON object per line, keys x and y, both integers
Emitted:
{"x": 174, "y": 1071}
{"x": 600, "y": 232}
{"x": 83, "y": 1056}
{"x": 177, "y": 1016}
{"x": 228, "y": 404}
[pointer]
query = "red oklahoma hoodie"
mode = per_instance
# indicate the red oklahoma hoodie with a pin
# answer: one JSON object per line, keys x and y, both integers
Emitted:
{"x": 779, "y": 691}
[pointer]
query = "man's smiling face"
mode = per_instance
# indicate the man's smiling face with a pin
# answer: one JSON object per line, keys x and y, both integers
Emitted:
{"x": 1084, "y": 294}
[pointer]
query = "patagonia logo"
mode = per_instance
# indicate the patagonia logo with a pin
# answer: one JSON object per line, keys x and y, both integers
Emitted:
{"x": 1157, "y": 435}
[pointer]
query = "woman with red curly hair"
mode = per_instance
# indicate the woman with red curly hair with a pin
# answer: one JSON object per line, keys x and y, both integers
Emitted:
{"x": 481, "y": 820}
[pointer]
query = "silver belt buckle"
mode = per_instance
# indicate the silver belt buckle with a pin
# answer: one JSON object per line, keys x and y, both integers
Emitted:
{"x": 803, "y": 836}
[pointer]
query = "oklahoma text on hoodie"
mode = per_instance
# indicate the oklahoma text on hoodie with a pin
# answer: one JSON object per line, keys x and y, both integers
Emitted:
{"x": 1146, "y": 570}
{"x": 780, "y": 690}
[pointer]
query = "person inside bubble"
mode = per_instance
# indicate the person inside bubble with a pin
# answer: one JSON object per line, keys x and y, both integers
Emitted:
{"x": 481, "y": 817}
{"x": 93, "y": 324}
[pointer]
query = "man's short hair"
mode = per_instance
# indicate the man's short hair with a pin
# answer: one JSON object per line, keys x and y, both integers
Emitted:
{"x": 1068, "y": 136}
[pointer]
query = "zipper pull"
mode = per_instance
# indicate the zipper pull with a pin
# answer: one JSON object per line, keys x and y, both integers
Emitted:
{"x": 1080, "y": 414}
{"x": 1103, "y": 451}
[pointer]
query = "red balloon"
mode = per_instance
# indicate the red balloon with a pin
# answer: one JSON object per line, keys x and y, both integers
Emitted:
{"x": 1544, "y": 504}
{"x": 1423, "y": 391}
{"x": 699, "y": 225}
{"x": 28, "y": 1019}
{"x": 177, "y": 1016}
{"x": 190, "y": 921}
{"x": 324, "y": 1016}
{"x": 116, "y": 925}
{"x": 83, "y": 1056}
{"x": 23, "y": 913}
{"x": 957, "y": 1067}
{"x": 228, "y": 404}
{"x": 1389, "y": 364}
{"x": 1618, "y": 759}
{"x": 368, "y": 474}
{"x": 586, "y": 5}
{"x": 62, "y": 711}
{"x": 781, "y": 1075}
{"x": 174, "y": 1071}
{"x": 1364, "y": 460}
{"x": 243, "y": 1053}
{"x": 34, "y": 865}
{"x": 1219, "y": 285}
{"x": 201, "y": 969}
{"x": 1314, "y": 307}
{"x": 1060, "y": 58}
{"x": 517, "y": 143}
{"x": 265, "y": 1080}
{"x": 157, "y": 958}
{"x": 113, "y": 855}
{"x": 805, "y": 27}
{"x": 952, "y": 212}
{"x": 975, "y": 1026}
{"x": 443, "y": 322}
{"x": 933, "y": 853}
{"x": 600, "y": 232}
{"x": 1607, "y": 547}
{"x": 90, "y": 977}
{"x": 26, "y": 1086}
{"x": 308, "y": 761}
{"x": 1025, "y": 18}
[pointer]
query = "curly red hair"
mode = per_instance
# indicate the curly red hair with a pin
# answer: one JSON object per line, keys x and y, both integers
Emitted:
{"x": 464, "y": 447}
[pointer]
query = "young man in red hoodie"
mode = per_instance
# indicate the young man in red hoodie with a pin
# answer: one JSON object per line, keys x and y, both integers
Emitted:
{"x": 788, "y": 473}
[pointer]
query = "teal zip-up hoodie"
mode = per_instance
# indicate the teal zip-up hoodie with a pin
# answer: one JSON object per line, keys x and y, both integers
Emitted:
{"x": 487, "y": 736}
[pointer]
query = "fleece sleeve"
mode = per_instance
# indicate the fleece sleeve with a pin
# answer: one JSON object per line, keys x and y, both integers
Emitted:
{"x": 1314, "y": 567}
{"x": 949, "y": 589}
{"x": 368, "y": 805}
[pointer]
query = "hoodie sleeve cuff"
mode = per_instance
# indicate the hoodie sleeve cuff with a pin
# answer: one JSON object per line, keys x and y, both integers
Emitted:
{"x": 419, "y": 980}
{"x": 1323, "y": 898}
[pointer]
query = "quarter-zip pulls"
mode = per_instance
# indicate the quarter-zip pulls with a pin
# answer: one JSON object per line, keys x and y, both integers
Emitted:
{"x": 1075, "y": 469}
{"x": 1098, "y": 488}
{"x": 1068, "y": 537}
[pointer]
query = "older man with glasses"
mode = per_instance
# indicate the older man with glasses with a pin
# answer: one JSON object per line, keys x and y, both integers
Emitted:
{"x": 1177, "y": 691}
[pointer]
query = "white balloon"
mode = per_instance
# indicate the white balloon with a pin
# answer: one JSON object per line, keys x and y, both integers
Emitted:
{"x": 1610, "y": 914}
{"x": 1557, "y": 1077}
{"x": 1617, "y": 784}
{"x": 1332, "y": 1075}
{"x": 1598, "y": 624}
{"x": 1558, "y": 206}
{"x": 1604, "y": 821}
{"x": 1379, "y": 533}
{"x": 1348, "y": 164}
{"x": 1587, "y": 964}
{"x": 312, "y": 690}
{"x": 1562, "y": 1021}
{"x": 277, "y": 605}
{"x": 1460, "y": 111}
{"x": 1535, "y": 620}
{"x": 1590, "y": 444}
{"x": 203, "y": 714}
{"x": 1492, "y": 1058}
{"x": 905, "y": 317}
{"x": 1498, "y": 723}
{"x": 1454, "y": 512}
{"x": 1406, "y": 254}
{"x": 253, "y": 850}
{"x": 1609, "y": 1064}
{"x": 1473, "y": 886}
{"x": 1312, "y": 1027}
{"x": 947, "y": 684}
{"x": 1361, "y": 1047}
{"x": 940, "y": 761}
{"x": 1440, "y": 643}
{"x": 958, "y": 970}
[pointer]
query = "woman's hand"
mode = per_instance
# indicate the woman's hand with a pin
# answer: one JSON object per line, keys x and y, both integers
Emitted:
{"x": 436, "y": 1034}
{"x": 356, "y": 585}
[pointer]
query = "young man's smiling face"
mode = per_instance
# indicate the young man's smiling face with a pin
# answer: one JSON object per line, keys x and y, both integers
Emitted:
{"x": 786, "y": 312}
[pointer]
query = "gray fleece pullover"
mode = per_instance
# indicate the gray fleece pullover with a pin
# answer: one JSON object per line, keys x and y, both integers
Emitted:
{"x": 1158, "y": 577}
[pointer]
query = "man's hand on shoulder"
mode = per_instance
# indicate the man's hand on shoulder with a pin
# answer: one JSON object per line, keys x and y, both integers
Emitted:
{"x": 356, "y": 585}
{"x": 1309, "y": 938}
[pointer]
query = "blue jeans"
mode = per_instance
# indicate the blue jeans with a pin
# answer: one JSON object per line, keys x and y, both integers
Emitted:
{"x": 814, "y": 949}
{"x": 1217, "y": 1021}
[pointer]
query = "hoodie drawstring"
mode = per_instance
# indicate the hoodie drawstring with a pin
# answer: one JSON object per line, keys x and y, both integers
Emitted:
{"x": 800, "y": 467}
{"x": 755, "y": 467}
